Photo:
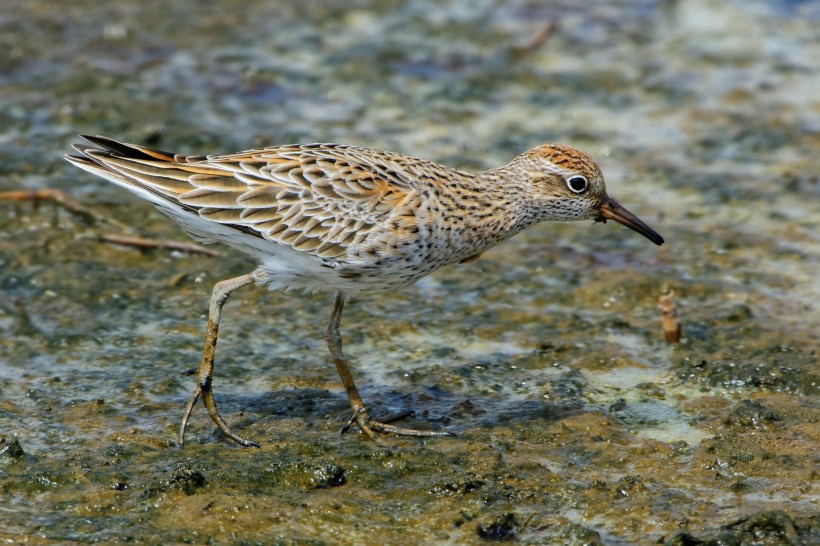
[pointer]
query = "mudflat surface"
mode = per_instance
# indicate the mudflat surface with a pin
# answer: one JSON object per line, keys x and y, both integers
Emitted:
{"x": 577, "y": 423}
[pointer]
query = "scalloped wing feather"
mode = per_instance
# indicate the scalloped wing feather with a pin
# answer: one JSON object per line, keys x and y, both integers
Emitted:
{"x": 318, "y": 199}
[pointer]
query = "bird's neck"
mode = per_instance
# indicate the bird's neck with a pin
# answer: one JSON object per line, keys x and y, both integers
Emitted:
{"x": 484, "y": 211}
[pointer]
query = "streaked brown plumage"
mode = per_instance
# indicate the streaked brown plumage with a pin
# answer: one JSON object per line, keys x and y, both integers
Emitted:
{"x": 347, "y": 219}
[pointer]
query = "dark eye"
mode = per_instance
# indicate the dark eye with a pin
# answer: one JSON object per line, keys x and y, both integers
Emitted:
{"x": 577, "y": 184}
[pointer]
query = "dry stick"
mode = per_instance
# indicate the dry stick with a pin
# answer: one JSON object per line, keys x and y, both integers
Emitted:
{"x": 539, "y": 37}
{"x": 150, "y": 244}
{"x": 72, "y": 205}
{"x": 60, "y": 198}
{"x": 669, "y": 316}
{"x": 177, "y": 279}
{"x": 25, "y": 326}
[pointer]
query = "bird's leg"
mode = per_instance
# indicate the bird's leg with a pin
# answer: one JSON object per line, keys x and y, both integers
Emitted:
{"x": 220, "y": 295}
{"x": 360, "y": 415}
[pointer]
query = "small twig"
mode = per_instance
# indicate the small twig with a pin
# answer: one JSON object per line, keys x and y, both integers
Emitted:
{"x": 24, "y": 325}
{"x": 539, "y": 37}
{"x": 669, "y": 316}
{"x": 60, "y": 198}
{"x": 151, "y": 244}
{"x": 177, "y": 279}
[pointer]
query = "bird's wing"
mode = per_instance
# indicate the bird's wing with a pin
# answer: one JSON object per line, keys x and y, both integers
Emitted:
{"x": 316, "y": 198}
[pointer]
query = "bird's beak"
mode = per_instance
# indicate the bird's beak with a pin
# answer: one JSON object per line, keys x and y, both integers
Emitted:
{"x": 611, "y": 210}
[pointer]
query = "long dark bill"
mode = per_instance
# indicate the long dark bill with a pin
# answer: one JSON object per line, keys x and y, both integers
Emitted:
{"x": 612, "y": 210}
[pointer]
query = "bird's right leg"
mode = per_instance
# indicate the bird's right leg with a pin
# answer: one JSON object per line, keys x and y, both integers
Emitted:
{"x": 222, "y": 290}
{"x": 360, "y": 415}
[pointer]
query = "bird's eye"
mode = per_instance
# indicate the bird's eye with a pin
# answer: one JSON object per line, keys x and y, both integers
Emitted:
{"x": 577, "y": 184}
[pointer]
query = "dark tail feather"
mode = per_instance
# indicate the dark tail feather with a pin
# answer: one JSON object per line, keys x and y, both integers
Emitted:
{"x": 129, "y": 151}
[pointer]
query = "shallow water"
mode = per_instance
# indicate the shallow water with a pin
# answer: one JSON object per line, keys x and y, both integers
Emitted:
{"x": 577, "y": 423}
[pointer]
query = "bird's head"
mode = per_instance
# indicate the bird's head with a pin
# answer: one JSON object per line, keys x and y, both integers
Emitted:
{"x": 564, "y": 184}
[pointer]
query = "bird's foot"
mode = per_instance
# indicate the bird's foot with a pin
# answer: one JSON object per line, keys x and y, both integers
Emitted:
{"x": 370, "y": 426}
{"x": 210, "y": 404}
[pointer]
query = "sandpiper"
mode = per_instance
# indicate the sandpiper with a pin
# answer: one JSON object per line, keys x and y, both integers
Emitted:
{"x": 348, "y": 220}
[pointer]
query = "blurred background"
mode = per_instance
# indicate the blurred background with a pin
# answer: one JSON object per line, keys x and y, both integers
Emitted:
{"x": 577, "y": 422}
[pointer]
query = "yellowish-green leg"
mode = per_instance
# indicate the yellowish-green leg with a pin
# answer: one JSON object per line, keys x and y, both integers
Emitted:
{"x": 360, "y": 415}
{"x": 220, "y": 295}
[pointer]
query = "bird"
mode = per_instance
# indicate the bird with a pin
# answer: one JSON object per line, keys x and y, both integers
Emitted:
{"x": 348, "y": 220}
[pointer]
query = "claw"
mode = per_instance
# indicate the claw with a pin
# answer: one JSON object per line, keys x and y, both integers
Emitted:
{"x": 368, "y": 426}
